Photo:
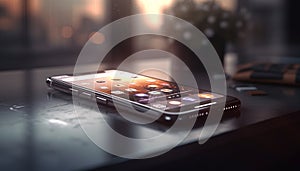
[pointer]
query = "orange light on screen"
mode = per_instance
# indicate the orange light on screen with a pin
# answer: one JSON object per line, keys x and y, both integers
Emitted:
{"x": 206, "y": 95}
{"x": 153, "y": 7}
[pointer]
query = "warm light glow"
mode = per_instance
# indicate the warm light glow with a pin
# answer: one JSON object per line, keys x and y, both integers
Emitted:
{"x": 13, "y": 7}
{"x": 150, "y": 6}
{"x": 206, "y": 95}
{"x": 97, "y": 38}
{"x": 95, "y": 8}
{"x": 11, "y": 12}
{"x": 66, "y": 32}
{"x": 174, "y": 102}
{"x": 227, "y": 4}
{"x": 35, "y": 6}
{"x": 153, "y": 7}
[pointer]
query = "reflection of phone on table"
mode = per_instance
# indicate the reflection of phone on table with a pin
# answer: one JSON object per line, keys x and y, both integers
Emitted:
{"x": 144, "y": 93}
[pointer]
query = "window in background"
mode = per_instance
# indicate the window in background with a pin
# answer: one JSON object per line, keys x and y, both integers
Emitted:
{"x": 38, "y": 32}
{"x": 10, "y": 23}
{"x": 61, "y": 23}
{"x": 170, "y": 7}
{"x": 50, "y": 23}
{"x": 47, "y": 29}
{"x": 151, "y": 7}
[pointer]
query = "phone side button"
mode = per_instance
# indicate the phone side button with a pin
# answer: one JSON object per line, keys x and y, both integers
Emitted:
{"x": 101, "y": 100}
{"x": 73, "y": 90}
{"x": 205, "y": 105}
{"x": 87, "y": 95}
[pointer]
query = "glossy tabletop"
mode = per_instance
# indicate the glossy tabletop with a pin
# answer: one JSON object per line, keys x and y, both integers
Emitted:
{"x": 40, "y": 129}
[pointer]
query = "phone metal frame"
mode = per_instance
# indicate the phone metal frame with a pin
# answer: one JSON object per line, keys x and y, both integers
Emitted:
{"x": 232, "y": 104}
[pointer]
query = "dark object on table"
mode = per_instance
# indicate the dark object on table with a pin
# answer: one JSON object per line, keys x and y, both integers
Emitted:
{"x": 248, "y": 89}
{"x": 256, "y": 93}
{"x": 269, "y": 73}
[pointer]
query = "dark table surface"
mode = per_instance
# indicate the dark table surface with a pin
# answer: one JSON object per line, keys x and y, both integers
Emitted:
{"x": 40, "y": 131}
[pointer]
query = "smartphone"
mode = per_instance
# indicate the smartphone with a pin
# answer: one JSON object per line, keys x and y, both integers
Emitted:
{"x": 167, "y": 98}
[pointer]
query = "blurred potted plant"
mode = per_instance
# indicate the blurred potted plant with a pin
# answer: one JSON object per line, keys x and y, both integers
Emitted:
{"x": 221, "y": 26}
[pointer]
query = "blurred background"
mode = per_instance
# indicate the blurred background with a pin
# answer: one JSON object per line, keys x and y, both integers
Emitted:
{"x": 40, "y": 33}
